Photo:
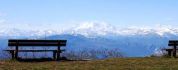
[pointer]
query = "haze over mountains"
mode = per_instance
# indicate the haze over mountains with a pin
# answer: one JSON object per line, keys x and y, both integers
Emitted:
{"x": 131, "y": 41}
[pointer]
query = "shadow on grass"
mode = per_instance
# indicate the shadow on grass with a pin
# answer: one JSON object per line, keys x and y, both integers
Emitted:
{"x": 41, "y": 59}
{"x": 45, "y": 59}
{"x": 63, "y": 59}
{"x": 34, "y": 60}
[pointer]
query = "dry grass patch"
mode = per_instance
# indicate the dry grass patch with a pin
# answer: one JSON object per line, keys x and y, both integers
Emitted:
{"x": 108, "y": 64}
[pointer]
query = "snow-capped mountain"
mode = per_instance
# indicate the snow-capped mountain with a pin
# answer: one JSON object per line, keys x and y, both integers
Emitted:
{"x": 104, "y": 29}
{"x": 132, "y": 41}
{"x": 92, "y": 29}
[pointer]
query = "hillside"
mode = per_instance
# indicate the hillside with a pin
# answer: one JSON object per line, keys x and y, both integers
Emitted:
{"x": 108, "y": 64}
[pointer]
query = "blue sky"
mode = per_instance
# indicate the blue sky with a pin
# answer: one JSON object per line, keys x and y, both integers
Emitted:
{"x": 116, "y": 12}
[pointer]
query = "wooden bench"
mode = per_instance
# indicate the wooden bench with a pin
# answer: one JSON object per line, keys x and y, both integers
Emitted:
{"x": 173, "y": 44}
{"x": 169, "y": 51}
{"x": 36, "y": 43}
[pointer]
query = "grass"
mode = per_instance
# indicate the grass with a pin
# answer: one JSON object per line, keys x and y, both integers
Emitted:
{"x": 149, "y": 63}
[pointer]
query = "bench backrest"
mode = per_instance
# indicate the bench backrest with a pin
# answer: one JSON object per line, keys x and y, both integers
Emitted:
{"x": 173, "y": 43}
{"x": 16, "y": 42}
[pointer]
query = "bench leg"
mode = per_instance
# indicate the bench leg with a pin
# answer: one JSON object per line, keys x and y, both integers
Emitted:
{"x": 16, "y": 52}
{"x": 12, "y": 54}
{"x": 58, "y": 56}
{"x": 54, "y": 55}
{"x": 58, "y": 53}
{"x": 169, "y": 53}
{"x": 174, "y": 52}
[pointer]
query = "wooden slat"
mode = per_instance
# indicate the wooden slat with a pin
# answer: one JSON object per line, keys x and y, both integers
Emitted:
{"x": 169, "y": 49}
{"x": 37, "y": 43}
{"x": 21, "y": 40}
{"x": 47, "y": 45}
{"x": 173, "y": 41}
{"x": 35, "y": 50}
{"x": 171, "y": 44}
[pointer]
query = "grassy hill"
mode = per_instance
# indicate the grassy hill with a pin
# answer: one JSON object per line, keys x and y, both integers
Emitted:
{"x": 108, "y": 64}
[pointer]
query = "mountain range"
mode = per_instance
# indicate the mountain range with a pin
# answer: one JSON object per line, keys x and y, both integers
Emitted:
{"x": 131, "y": 41}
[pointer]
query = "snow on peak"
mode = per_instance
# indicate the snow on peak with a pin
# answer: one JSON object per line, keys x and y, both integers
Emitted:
{"x": 101, "y": 29}
{"x": 92, "y": 28}
{"x": 162, "y": 30}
